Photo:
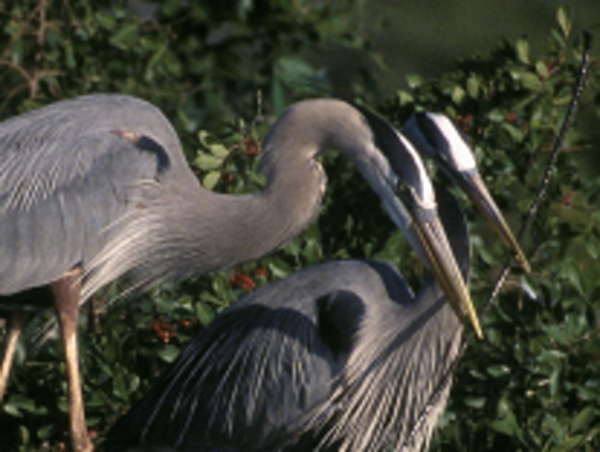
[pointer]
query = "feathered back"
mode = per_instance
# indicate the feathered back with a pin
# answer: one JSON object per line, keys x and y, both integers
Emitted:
{"x": 396, "y": 383}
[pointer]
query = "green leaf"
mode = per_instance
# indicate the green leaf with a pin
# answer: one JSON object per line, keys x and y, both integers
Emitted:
{"x": 570, "y": 271}
{"x": 220, "y": 286}
{"x": 204, "y": 313}
{"x": 522, "y": 47}
{"x": 473, "y": 87}
{"x": 515, "y": 134}
{"x": 542, "y": 69}
{"x": 218, "y": 150}
{"x": 458, "y": 94}
{"x": 507, "y": 425}
{"x": 404, "y": 98}
{"x": 12, "y": 410}
{"x": 498, "y": 371}
{"x": 134, "y": 383}
{"x": 496, "y": 115}
{"x": 564, "y": 21}
{"x": 125, "y": 38}
{"x": 24, "y": 435}
{"x": 294, "y": 69}
{"x": 583, "y": 419}
{"x": 475, "y": 402}
{"x": 106, "y": 19}
{"x": 207, "y": 162}
{"x": 119, "y": 386}
{"x": 414, "y": 81}
{"x": 278, "y": 97}
{"x": 45, "y": 432}
{"x": 569, "y": 444}
{"x": 211, "y": 179}
{"x": 169, "y": 353}
{"x": 477, "y": 374}
{"x": 551, "y": 356}
{"x": 553, "y": 426}
{"x": 279, "y": 269}
{"x": 204, "y": 137}
{"x": 531, "y": 81}
{"x": 70, "y": 60}
{"x": 558, "y": 37}
{"x": 18, "y": 404}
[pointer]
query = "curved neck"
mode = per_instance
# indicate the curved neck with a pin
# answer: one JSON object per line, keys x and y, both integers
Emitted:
{"x": 185, "y": 230}
{"x": 235, "y": 229}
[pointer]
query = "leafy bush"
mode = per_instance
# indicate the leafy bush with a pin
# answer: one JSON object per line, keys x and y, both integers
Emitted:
{"x": 531, "y": 385}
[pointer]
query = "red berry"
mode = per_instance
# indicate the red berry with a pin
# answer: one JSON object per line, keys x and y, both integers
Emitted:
{"x": 262, "y": 272}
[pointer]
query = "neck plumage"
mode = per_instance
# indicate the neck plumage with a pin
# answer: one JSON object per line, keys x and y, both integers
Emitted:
{"x": 235, "y": 229}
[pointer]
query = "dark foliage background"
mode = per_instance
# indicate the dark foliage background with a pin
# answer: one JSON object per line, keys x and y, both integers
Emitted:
{"x": 222, "y": 71}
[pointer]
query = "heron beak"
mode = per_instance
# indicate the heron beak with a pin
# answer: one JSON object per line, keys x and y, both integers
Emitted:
{"x": 475, "y": 188}
{"x": 434, "y": 245}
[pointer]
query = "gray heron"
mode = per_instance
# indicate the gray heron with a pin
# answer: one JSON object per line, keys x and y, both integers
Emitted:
{"x": 436, "y": 136}
{"x": 97, "y": 188}
{"x": 341, "y": 356}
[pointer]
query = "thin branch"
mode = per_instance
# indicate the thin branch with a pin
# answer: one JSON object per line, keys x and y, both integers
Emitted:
{"x": 41, "y": 33}
{"x": 19, "y": 69}
{"x": 550, "y": 166}
{"x": 435, "y": 397}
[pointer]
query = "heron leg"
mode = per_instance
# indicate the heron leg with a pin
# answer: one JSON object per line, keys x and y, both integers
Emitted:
{"x": 15, "y": 326}
{"x": 67, "y": 292}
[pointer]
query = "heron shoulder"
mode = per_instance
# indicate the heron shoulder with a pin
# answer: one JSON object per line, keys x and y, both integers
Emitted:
{"x": 51, "y": 148}
{"x": 70, "y": 170}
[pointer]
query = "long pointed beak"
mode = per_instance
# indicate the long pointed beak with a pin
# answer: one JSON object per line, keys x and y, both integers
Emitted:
{"x": 475, "y": 188}
{"x": 435, "y": 247}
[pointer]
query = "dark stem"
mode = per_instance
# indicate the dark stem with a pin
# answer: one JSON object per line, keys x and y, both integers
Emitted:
{"x": 531, "y": 212}
{"x": 550, "y": 166}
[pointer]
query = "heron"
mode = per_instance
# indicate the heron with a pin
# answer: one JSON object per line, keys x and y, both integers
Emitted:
{"x": 341, "y": 356}
{"x": 437, "y": 137}
{"x": 97, "y": 188}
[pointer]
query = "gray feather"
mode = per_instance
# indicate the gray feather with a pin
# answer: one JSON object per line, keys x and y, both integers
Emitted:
{"x": 339, "y": 356}
{"x": 68, "y": 183}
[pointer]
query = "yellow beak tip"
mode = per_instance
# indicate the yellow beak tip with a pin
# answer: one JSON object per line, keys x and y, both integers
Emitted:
{"x": 474, "y": 321}
{"x": 479, "y": 332}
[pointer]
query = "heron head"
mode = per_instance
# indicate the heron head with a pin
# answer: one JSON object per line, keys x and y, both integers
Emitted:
{"x": 435, "y": 135}
{"x": 409, "y": 199}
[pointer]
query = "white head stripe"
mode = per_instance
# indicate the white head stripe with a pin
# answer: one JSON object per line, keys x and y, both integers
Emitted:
{"x": 459, "y": 153}
{"x": 426, "y": 194}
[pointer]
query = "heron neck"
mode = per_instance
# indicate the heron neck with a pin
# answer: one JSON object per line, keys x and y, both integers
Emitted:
{"x": 235, "y": 229}
{"x": 232, "y": 229}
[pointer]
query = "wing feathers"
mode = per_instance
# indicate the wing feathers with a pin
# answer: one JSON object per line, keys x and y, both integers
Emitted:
{"x": 68, "y": 182}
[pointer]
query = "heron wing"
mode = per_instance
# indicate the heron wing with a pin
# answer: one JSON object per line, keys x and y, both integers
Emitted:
{"x": 242, "y": 381}
{"x": 67, "y": 172}
{"x": 260, "y": 371}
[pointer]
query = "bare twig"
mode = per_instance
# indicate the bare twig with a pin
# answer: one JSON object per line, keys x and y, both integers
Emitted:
{"x": 550, "y": 166}
{"x": 28, "y": 78}
{"x": 531, "y": 212}
{"x": 41, "y": 34}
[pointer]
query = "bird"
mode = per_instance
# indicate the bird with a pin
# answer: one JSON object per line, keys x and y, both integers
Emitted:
{"x": 97, "y": 188}
{"x": 436, "y": 136}
{"x": 340, "y": 356}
